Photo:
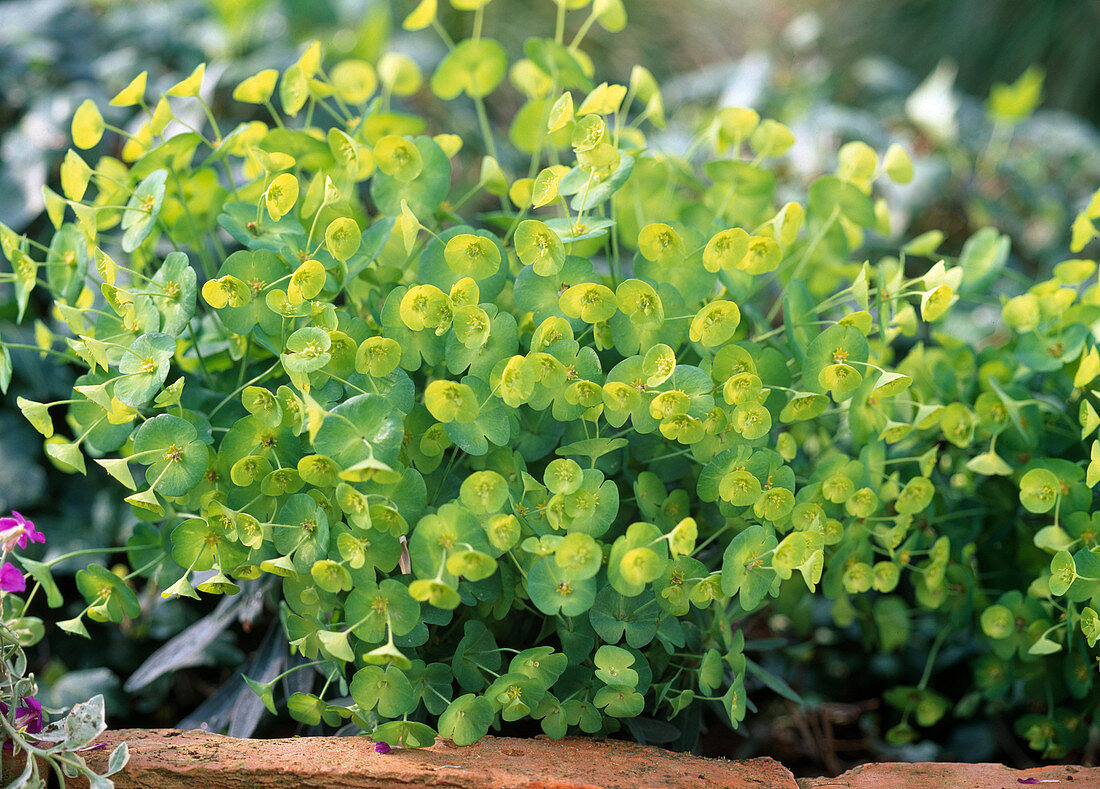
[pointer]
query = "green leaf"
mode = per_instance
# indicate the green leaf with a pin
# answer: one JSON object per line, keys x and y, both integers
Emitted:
{"x": 828, "y": 195}
{"x": 1039, "y": 490}
{"x": 558, "y": 63}
{"x": 305, "y": 707}
{"x": 772, "y": 681}
{"x": 474, "y": 67}
{"x": 553, "y": 590}
{"x": 982, "y": 259}
{"x": 370, "y": 606}
{"x": 592, "y": 447}
{"x": 515, "y": 696}
{"x": 423, "y": 194}
{"x": 710, "y": 671}
{"x": 178, "y": 287}
{"x": 142, "y": 210}
{"x": 28, "y": 630}
{"x": 170, "y": 447}
{"x": 387, "y": 689}
{"x": 541, "y": 664}
{"x": 467, "y": 719}
{"x": 476, "y": 650}
{"x": 613, "y": 666}
{"x": 342, "y": 238}
{"x": 405, "y": 734}
{"x": 597, "y": 187}
{"x": 144, "y": 368}
{"x": 398, "y": 158}
{"x": 471, "y": 255}
{"x": 619, "y": 701}
{"x": 67, "y": 454}
{"x": 37, "y": 414}
{"x": 75, "y": 626}
{"x": 110, "y": 599}
{"x": 118, "y": 759}
{"x": 265, "y": 691}
{"x": 539, "y": 247}
{"x": 1044, "y": 646}
{"x": 66, "y": 263}
{"x": 915, "y": 496}
{"x": 744, "y": 572}
{"x": 614, "y": 616}
{"x": 41, "y": 573}
{"x": 1063, "y": 572}
{"x": 362, "y": 427}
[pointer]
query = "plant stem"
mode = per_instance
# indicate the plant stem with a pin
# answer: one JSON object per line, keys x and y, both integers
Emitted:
{"x": 804, "y": 257}
{"x": 240, "y": 389}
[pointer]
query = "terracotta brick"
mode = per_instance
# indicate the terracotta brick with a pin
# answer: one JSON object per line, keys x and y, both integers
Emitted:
{"x": 945, "y": 775}
{"x": 169, "y": 759}
{"x": 172, "y": 759}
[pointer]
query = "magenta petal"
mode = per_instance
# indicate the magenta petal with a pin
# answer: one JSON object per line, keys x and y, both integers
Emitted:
{"x": 381, "y": 747}
{"x": 11, "y": 580}
{"x": 29, "y": 715}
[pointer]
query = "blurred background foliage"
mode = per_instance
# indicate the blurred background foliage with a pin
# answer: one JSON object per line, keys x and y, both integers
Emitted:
{"x": 989, "y": 40}
{"x": 914, "y": 71}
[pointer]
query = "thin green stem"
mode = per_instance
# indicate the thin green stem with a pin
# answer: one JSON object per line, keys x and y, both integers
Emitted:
{"x": 803, "y": 258}
{"x": 93, "y": 551}
{"x": 486, "y": 128}
{"x": 240, "y": 389}
{"x": 933, "y": 652}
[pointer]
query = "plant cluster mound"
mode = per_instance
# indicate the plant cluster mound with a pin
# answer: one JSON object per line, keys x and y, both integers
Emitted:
{"x": 532, "y": 427}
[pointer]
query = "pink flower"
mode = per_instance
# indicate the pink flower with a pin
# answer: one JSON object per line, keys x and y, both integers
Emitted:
{"x": 28, "y": 715}
{"x": 11, "y": 580}
{"x": 16, "y": 530}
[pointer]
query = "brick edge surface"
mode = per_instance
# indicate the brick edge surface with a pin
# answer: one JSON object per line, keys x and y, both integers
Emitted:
{"x": 955, "y": 775}
{"x": 174, "y": 759}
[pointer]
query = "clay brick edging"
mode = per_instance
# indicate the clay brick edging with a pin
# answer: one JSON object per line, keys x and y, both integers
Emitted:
{"x": 173, "y": 759}
{"x": 954, "y": 775}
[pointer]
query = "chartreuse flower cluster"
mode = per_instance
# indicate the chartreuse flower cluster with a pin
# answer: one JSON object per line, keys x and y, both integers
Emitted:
{"x": 44, "y": 748}
{"x": 535, "y": 442}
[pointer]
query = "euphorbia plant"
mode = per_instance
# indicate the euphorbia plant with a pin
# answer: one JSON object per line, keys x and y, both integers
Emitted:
{"x": 538, "y": 443}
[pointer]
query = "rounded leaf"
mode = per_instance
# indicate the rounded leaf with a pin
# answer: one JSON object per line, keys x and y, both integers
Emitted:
{"x": 467, "y": 719}
{"x": 539, "y": 247}
{"x": 1039, "y": 490}
{"x": 472, "y": 256}
{"x": 87, "y": 127}
{"x": 281, "y": 195}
